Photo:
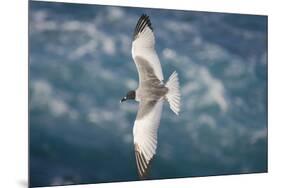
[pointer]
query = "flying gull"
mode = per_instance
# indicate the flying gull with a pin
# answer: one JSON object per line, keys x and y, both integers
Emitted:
{"x": 151, "y": 93}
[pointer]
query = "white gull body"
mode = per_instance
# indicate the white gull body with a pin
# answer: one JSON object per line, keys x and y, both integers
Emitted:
{"x": 151, "y": 93}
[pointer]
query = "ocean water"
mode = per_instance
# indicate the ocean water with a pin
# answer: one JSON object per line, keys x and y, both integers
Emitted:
{"x": 80, "y": 66}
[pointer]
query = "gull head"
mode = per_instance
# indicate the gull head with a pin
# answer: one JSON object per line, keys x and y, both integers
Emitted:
{"x": 130, "y": 95}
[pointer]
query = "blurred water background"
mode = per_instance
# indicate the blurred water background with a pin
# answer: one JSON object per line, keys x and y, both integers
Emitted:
{"x": 80, "y": 66}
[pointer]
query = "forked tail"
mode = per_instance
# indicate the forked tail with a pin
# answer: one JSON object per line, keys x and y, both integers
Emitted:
{"x": 173, "y": 95}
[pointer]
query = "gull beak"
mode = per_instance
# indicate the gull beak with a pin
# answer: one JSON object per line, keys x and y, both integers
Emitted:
{"x": 124, "y": 99}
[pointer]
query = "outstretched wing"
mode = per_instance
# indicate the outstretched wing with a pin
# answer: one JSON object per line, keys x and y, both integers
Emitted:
{"x": 145, "y": 133}
{"x": 143, "y": 46}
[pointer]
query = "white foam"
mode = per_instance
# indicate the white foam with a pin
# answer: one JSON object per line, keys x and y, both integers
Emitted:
{"x": 211, "y": 53}
{"x": 115, "y": 13}
{"x": 108, "y": 45}
{"x": 258, "y": 135}
{"x": 208, "y": 120}
{"x": 214, "y": 92}
{"x": 44, "y": 96}
{"x": 169, "y": 54}
{"x": 131, "y": 84}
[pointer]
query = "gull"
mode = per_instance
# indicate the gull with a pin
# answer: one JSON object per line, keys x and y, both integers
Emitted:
{"x": 151, "y": 94}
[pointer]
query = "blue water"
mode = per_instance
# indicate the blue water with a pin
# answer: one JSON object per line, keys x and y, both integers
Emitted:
{"x": 81, "y": 66}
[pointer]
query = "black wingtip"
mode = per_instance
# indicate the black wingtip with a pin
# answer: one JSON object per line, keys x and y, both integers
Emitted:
{"x": 141, "y": 24}
{"x": 143, "y": 166}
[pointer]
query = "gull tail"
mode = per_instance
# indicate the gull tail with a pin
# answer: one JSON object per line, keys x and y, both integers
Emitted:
{"x": 173, "y": 95}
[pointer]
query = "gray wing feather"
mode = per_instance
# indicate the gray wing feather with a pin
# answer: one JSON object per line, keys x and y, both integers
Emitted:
{"x": 145, "y": 71}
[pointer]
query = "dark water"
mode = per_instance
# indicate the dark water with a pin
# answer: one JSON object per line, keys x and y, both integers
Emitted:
{"x": 81, "y": 66}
